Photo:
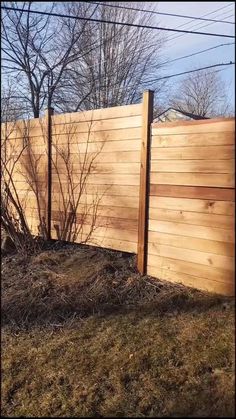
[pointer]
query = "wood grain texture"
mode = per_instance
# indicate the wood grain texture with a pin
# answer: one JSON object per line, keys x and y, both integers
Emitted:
{"x": 194, "y": 192}
{"x": 195, "y": 205}
{"x": 191, "y": 215}
{"x": 212, "y": 233}
{"x": 193, "y": 166}
{"x": 147, "y": 117}
{"x": 191, "y": 268}
{"x": 225, "y": 288}
{"x": 36, "y": 136}
{"x": 99, "y": 114}
{"x": 190, "y": 255}
{"x": 218, "y": 125}
{"x": 185, "y": 242}
{"x": 98, "y": 125}
{"x": 198, "y": 139}
{"x": 194, "y": 179}
{"x": 223, "y": 152}
{"x": 193, "y": 218}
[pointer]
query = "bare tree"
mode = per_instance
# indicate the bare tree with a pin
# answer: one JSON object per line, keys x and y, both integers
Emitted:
{"x": 78, "y": 64}
{"x": 12, "y": 108}
{"x": 203, "y": 93}
{"x": 13, "y": 217}
{"x": 76, "y": 215}
{"x": 72, "y": 171}
{"x": 35, "y": 54}
{"x": 121, "y": 58}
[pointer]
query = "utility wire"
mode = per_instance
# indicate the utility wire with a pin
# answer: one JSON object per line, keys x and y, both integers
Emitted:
{"x": 189, "y": 71}
{"x": 203, "y": 16}
{"x": 159, "y": 13}
{"x": 168, "y": 77}
{"x": 115, "y": 23}
{"x": 195, "y": 27}
{"x": 128, "y": 86}
{"x": 196, "y": 53}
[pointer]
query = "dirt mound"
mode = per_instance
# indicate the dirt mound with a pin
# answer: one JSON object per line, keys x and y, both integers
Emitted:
{"x": 72, "y": 280}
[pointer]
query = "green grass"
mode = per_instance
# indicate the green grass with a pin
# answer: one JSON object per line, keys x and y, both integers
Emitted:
{"x": 171, "y": 356}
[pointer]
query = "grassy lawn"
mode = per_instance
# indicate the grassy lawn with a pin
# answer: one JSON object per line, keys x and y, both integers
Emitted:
{"x": 84, "y": 335}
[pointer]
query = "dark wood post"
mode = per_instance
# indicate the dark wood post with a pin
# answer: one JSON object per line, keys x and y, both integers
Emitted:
{"x": 48, "y": 116}
{"x": 147, "y": 118}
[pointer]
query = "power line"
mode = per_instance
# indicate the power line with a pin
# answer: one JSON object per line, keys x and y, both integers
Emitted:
{"x": 208, "y": 14}
{"x": 167, "y": 77}
{"x": 158, "y": 13}
{"x": 115, "y": 23}
{"x": 196, "y": 53}
{"x": 129, "y": 86}
{"x": 189, "y": 71}
{"x": 203, "y": 16}
{"x": 195, "y": 27}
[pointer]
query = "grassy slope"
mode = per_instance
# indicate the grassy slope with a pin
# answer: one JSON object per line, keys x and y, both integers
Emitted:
{"x": 171, "y": 356}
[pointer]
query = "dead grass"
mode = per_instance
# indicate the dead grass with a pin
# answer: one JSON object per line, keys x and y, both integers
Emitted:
{"x": 85, "y": 335}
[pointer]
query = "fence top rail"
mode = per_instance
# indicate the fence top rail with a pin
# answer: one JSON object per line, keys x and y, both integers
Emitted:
{"x": 93, "y": 114}
{"x": 189, "y": 123}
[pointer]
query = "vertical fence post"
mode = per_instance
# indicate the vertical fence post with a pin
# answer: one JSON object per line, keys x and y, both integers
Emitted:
{"x": 48, "y": 116}
{"x": 147, "y": 118}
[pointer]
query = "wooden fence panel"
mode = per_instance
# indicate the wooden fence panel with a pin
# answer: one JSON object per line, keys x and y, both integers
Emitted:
{"x": 191, "y": 204}
{"x": 95, "y": 176}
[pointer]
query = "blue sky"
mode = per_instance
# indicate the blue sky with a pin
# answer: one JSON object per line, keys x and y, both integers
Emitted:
{"x": 188, "y": 44}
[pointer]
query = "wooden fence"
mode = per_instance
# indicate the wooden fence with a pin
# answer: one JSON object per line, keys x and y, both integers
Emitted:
{"x": 191, "y": 208}
{"x": 112, "y": 178}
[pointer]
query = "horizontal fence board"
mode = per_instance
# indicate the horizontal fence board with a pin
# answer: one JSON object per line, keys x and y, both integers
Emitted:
{"x": 94, "y": 178}
{"x": 191, "y": 268}
{"x": 212, "y": 233}
{"x": 109, "y": 157}
{"x": 112, "y": 200}
{"x": 194, "y": 218}
{"x": 119, "y": 212}
{"x": 98, "y": 125}
{"x": 37, "y": 139}
{"x": 190, "y": 255}
{"x": 93, "y": 147}
{"x": 98, "y": 136}
{"x": 106, "y": 211}
{"x": 195, "y": 192}
{"x": 103, "y": 168}
{"x": 226, "y": 288}
{"x": 106, "y": 190}
{"x": 193, "y": 153}
{"x": 197, "y": 127}
{"x": 194, "y": 179}
{"x": 202, "y": 245}
{"x": 21, "y": 127}
{"x": 84, "y": 148}
{"x": 98, "y": 114}
{"x": 196, "y": 205}
{"x": 71, "y": 129}
{"x": 129, "y": 238}
{"x": 100, "y": 221}
{"x": 111, "y": 233}
{"x": 114, "y": 244}
{"x": 106, "y": 179}
{"x": 193, "y": 166}
{"x": 189, "y": 140}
